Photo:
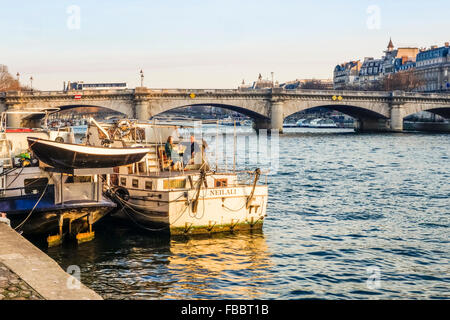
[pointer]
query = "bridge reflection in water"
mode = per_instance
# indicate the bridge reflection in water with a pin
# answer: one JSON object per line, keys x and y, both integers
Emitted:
{"x": 122, "y": 263}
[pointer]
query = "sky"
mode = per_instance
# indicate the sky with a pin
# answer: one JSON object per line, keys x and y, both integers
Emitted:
{"x": 205, "y": 44}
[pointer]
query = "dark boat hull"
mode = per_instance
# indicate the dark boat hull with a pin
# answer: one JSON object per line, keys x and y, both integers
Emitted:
{"x": 143, "y": 218}
{"x": 44, "y": 219}
{"x": 60, "y": 155}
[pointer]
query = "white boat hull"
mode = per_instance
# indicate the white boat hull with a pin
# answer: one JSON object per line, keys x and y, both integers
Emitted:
{"x": 218, "y": 210}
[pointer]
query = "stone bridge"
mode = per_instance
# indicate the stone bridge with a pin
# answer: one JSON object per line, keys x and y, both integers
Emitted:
{"x": 373, "y": 110}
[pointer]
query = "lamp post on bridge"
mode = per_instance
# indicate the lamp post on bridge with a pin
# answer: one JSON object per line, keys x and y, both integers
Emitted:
{"x": 142, "y": 78}
{"x": 18, "y": 80}
{"x": 31, "y": 83}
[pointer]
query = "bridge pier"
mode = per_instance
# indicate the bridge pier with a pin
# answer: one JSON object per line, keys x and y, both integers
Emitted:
{"x": 259, "y": 124}
{"x": 276, "y": 118}
{"x": 396, "y": 118}
{"x": 371, "y": 125}
{"x": 141, "y": 110}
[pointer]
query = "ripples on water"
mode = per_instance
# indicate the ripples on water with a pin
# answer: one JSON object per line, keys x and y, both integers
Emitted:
{"x": 340, "y": 203}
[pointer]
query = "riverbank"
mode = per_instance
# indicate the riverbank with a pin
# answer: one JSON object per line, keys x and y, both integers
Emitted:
{"x": 12, "y": 287}
{"x": 28, "y": 273}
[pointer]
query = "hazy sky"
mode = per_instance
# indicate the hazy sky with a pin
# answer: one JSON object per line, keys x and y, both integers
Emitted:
{"x": 206, "y": 44}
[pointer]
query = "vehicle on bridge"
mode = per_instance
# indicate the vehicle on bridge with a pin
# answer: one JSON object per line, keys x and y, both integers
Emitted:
{"x": 80, "y": 85}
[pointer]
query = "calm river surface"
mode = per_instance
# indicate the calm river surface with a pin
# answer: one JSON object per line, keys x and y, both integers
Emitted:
{"x": 350, "y": 216}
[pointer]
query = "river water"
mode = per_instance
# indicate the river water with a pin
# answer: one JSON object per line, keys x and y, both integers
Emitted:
{"x": 350, "y": 216}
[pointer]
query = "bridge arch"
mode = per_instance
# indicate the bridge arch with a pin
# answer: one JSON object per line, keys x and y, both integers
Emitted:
{"x": 123, "y": 107}
{"x": 441, "y": 110}
{"x": 368, "y": 111}
{"x": 254, "y": 109}
{"x": 124, "y": 111}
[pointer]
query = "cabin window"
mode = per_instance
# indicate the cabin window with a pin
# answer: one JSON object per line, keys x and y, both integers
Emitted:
{"x": 220, "y": 182}
{"x": 148, "y": 184}
{"x": 35, "y": 185}
{"x": 135, "y": 183}
{"x": 141, "y": 166}
{"x": 175, "y": 184}
{"x": 82, "y": 179}
{"x": 123, "y": 181}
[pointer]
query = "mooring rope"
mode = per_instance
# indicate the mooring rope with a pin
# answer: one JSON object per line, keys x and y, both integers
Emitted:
{"x": 36, "y": 204}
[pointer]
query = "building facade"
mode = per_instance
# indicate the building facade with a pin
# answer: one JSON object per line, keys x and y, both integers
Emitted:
{"x": 346, "y": 74}
{"x": 371, "y": 72}
{"x": 430, "y": 67}
{"x": 260, "y": 83}
{"x": 433, "y": 68}
{"x": 324, "y": 84}
{"x": 399, "y": 59}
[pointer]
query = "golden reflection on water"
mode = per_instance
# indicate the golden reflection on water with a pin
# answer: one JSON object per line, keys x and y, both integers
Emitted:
{"x": 231, "y": 265}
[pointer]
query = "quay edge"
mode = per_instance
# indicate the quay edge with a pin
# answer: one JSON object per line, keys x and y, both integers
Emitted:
{"x": 38, "y": 270}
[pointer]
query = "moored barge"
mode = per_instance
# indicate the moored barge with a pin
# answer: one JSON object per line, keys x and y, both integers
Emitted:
{"x": 191, "y": 199}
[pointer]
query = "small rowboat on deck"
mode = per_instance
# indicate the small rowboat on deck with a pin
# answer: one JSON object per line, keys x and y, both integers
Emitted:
{"x": 68, "y": 155}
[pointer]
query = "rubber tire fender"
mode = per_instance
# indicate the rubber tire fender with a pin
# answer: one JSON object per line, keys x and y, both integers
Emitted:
{"x": 122, "y": 193}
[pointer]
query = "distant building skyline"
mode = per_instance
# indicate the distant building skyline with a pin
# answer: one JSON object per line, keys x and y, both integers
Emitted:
{"x": 428, "y": 70}
{"x": 205, "y": 44}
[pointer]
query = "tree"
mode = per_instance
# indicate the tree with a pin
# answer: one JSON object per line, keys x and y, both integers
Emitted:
{"x": 404, "y": 80}
{"x": 7, "y": 81}
{"x": 317, "y": 85}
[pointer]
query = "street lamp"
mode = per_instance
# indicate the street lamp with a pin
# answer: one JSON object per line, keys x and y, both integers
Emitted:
{"x": 31, "y": 83}
{"x": 142, "y": 78}
{"x": 18, "y": 80}
{"x": 272, "y": 78}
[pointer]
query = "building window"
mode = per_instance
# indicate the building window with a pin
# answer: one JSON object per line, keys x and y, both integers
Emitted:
{"x": 148, "y": 184}
{"x": 123, "y": 181}
{"x": 135, "y": 183}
